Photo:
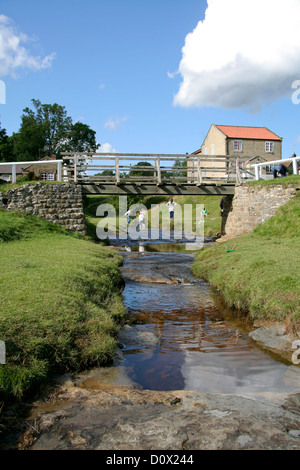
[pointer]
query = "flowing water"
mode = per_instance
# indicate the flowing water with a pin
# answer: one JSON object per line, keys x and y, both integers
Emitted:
{"x": 182, "y": 337}
{"x": 179, "y": 336}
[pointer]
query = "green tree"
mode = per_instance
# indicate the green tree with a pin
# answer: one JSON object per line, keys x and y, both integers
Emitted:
{"x": 44, "y": 131}
{"x": 6, "y": 146}
{"x": 180, "y": 168}
{"x": 137, "y": 171}
{"x": 81, "y": 138}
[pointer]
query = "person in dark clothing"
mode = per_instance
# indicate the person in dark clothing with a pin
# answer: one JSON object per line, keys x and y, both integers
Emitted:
{"x": 283, "y": 170}
{"x": 279, "y": 170}
{"x": 222, "y": 202}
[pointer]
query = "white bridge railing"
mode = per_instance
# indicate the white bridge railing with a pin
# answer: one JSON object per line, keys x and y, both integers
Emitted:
{"x": 259, "y": 166}
{"x": 159, "y": 169}
{"x": 156, "y": 169}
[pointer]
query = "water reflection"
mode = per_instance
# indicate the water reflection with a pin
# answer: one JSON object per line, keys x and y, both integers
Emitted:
{"x": 198, "y": 345}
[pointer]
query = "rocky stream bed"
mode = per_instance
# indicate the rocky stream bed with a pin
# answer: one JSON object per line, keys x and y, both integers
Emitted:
{"x": 134, "y": 405}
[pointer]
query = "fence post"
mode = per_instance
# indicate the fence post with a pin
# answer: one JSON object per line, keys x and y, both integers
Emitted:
{"x": 256, "y": 172}
{"x": 117, "y": 170}
{"x": 75, "y": 169}
{"x": 14, "y": 173}
{"x": 237, "y": 170}
{"x": 158, "y": 171}
{"x": 295, "y": 166}
{"x": 58, "y": 171}
{"x": 199, "y": 172}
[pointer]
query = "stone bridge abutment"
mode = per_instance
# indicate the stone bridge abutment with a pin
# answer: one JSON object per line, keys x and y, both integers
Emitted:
{"x": 252, "y": 205}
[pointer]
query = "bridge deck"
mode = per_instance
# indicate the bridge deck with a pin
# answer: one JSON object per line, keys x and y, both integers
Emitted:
{"x": 148, "y": 189}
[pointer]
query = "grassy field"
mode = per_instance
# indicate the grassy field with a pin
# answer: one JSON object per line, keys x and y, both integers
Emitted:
{"x": 260, "y": 272}
{"x": 60, "y": 302}
{"x": 212, "y": 224}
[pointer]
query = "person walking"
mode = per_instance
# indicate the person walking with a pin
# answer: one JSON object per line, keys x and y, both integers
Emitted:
{"x": 129, "y": 214}
{"x": 142, "y": 219}
{"x": 171, "y": 204}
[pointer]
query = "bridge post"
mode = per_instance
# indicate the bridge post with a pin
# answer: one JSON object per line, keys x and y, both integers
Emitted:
{"x": 238, "y": 173}
{"x": 199, "y": 173}
{"x": 117, "y": 170}
{"x": 75, "y": 169}
{"x": 158, "y": 171}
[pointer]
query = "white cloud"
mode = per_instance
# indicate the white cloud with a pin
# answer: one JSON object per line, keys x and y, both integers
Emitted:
{"x": 172, "y": 74}
{"x": 243, "y": 54}
{"x": 113, "y": 123}
{"x": 13, "y": 55}
{"x": 106, "y": 148}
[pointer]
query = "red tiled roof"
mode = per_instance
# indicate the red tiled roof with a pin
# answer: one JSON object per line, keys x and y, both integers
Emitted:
{"x": 241, "y": 132}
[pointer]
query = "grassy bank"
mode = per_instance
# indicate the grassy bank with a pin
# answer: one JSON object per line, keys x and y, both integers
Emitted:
{"x": 60, "y": 303}
{"x": 212, "y": 224}
{"x": 260, "y": 272}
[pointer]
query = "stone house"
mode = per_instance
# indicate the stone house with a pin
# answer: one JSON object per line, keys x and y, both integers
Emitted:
{"x": 6, "y": 171}
{"x": 46, "y": 172}
{"x": 250, "y": 144}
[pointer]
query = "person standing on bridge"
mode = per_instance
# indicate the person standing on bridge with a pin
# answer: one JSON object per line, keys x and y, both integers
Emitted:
{"x": 171, "y": 204}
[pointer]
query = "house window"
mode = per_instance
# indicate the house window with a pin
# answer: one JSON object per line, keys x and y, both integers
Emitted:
{"x": 47, "y": 176}
{"x": 238, "y": 145}
{"x": 269, "y": 146}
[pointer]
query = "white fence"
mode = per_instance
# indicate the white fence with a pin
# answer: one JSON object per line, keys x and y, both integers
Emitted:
{"x": 14, "y": 165}
{"x": 258, "y": 166}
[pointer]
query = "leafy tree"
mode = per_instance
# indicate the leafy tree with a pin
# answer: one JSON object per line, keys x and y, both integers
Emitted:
{"x": 6, "y": 147}
{"x": 81, "y": 138}
{"x": 43, "y": 131}
{"x": 180, "y": 168}
{"x": 46, "y": 129}
{"x": 135, "y": 171}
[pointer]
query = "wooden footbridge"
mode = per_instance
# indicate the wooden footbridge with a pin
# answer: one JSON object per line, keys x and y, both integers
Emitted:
{"x": 153, "y": 174}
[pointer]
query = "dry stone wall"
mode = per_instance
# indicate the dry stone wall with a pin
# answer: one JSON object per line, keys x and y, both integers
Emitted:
{"x": 253, "y": 205}
{"x": 59, "y": 203}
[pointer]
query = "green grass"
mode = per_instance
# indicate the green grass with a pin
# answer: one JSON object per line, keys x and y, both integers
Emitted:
{"x": 260, "y": 272}
{"x": 212, "y": 224}
{"x": 4, "y": 187}
{"x": 293, "y": 180}
{"x": 60, "y": 302}
{"x": 22, "y": 226}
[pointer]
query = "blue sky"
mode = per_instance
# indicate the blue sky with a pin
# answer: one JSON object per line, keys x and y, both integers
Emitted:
{"x": 119, "y": 66}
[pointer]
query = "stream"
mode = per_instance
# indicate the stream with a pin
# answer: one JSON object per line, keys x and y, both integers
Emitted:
{"x": 182, "y": 337}
{"x": 186, "y": 374}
